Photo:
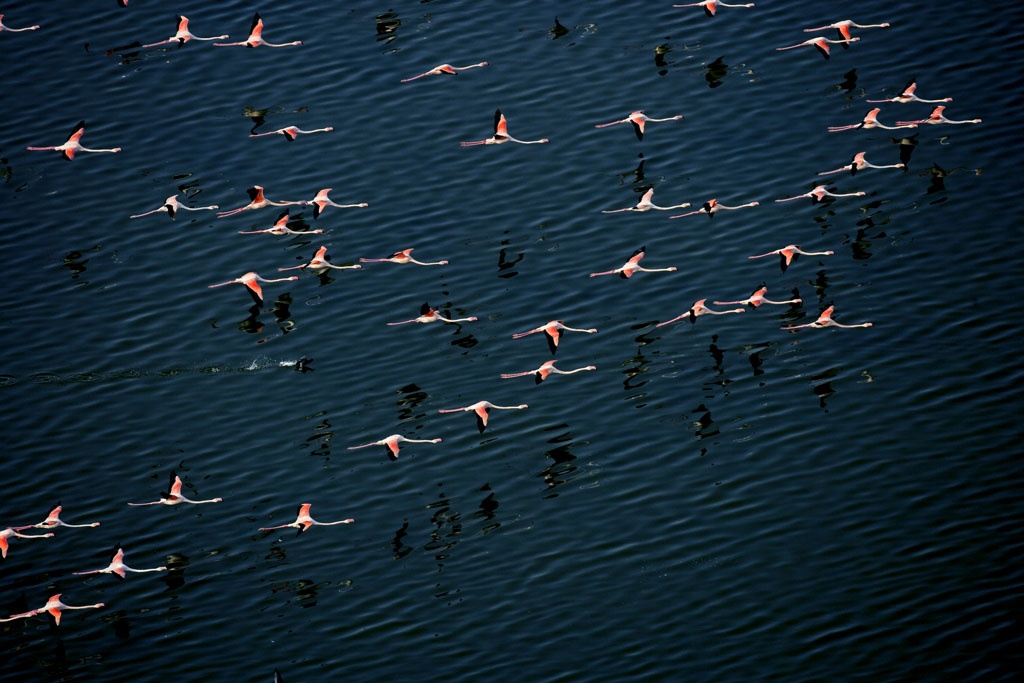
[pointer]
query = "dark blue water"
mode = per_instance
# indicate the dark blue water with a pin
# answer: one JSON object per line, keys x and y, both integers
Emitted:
{"x": 721, "y": 501}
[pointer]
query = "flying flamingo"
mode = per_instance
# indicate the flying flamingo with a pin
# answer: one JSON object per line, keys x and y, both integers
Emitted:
{"x": 711, "y": 6}
{"x": 698, "y": 309}
{"x": 303, "y": 521}
{"x": 819, "y": 193}
{"x": 257, "y": 200}
{"x": 321, "y": 201}
{"x": 117, "y": 566}
{"x": 711, "y": 207}
{"x": 501, "y": 134}
{"x": 481, "y": 408}
{"x": 645, "y": 204}
{"x": 908, "y": 96}
{"x": 821, "y": 43}
{"x": 15, "y": 30}
{"x": 825, "y": 320}
{"x": 392, "y": 444}
{"x": 172, "y": 206}
{"x": 54, "y": 607}
{"x": 252, "y": 281}
{"x": 870, "y": 121}
{"x": 936, "y": 117}
{"x": 638, "y": 119}
{"x": 859, "y": 163}
{"x": 183, "y": 35}
{"x": 757, "y": 298}
{"x": 280, "y": 228}
{"x": 72, "y": 145}
{"x": 444, "y": 69}
{"x": 53, "y": 521}
{"x": 548, "y": 368}
{"x": 844, "y": 28}
{"x": 292, "y": 132}
{"x": 255, "y": 38}
{"x": 15, "y": 532}
{"x": 631, "y": 266}
{"x": 789, "y": 253}
{"x": 404, "y": 256}
{"x": 553, "y": 332}
{"x": 319, "y": 264}
{"x": 174, "y": 497}
{"x": 429, "y": 315}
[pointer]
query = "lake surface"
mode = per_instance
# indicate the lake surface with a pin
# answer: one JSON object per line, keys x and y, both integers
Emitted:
{"x": 717, "y": 501}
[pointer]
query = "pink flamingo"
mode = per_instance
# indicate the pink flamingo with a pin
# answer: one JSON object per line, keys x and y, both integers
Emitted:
{"x": 292, "y": 132}
{"x": 548, "y": 368}
{"x": 481, "y": 408}
{"x": 859, "y": 163}
{"x": 15, "y": 532}
{"x": 908, "y": 96}
{"x": 303, "y": 521}
{"x": 319, "y": 264}
{"x": 639, "y": 120}
{"x": 174, "y": 497}
{"x": 870, "y": 121}
{"x": 936, "y": 117}
{"x": 172, "y": 206}
{"x": 73, "y": 145}
{"x": 280, "y": 227}
{"x": 711, "y": 207}
{"x": 553, "y": 332}
{"x": 255, "y": 38}
{"x": 404, "y": 256}
{"x": 53, "y": 521}
{"x": 819, "y": 193}
{"x": 444, "y": 69}
{"x": 698, "y": 309}
{"x": 757, "y": 298}
{"x": 252, "y": 282}
{"x": 645, "y": 204}
{"x": 821, "y": 43}
{"x": 429, "y": 315}
{"x": 711, "y": 6}
{"x": 117, "y": 566}
{"x": 257, "y": 200}
{"x": 825, "y": 320}
{"x": 501, "y": 134}
{"x": 183, "y": 35}
{"x": 632, "y": 266}
{"x": 844, "y": 28}
{"x": 392, "y": 444}
{"x": 321, "y": 201}
{"x": 54, "y": 607}
{"x": 15, "y": 30}
{"x": 790, "y": 252}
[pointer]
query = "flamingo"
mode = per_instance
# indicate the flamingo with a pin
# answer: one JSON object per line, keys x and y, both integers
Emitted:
{"x": 72, "y": 145}
{"x": 698, "y": 309}
{"x": 429, "y": 315}
{"x": 908, "y": 96}
{"x": 252, "y": 281}
{"x": 319, "y": 264}
{"x": 255, "y": 38}
{"x": 501, "y": 134}
{"x": 172, "y": 206}
{"x": 183, "y": 35}
{"x": 825, "y": 320}
{"x": 711, "y": 6}
{"x": 321, "y": 201}
{"x": 844, "y": 28}
{"x": 174, "y": 497}
{"x": 481, "y": 408}
{"x": 292, "y": 132}
{"x": 711, "y": 207}
{"x": 303, "y": 521}
{"x": 645, "y": 204}
{"x": 553, "y": 332}
{"x": 392, "y": 444}
{"x": 404, "y": 256}
{"x": 53, "y": 521}
{"x": 821, "y": 43}
{"x": 790, "y": 252}
{"x": 548, "y": 368}
{"x": 15, "y": 532}
{"x": 870, "y": 121}
{"x": 117, "y": 566}
{"x": 280, "y": 227}
{"x": 757, "y": 298}
{"x": 934, "y": 118}
{"x": 638, "y": 119}
{"x": 257, "y": 200}
{"x": 819, "y": 193}
{"x": 444, "y": 69}
{"x": 54, "y": 607}
{"x": 627, "y": 269}
{"x": 15, "y": 30}
{"x": 859, "y": 163}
